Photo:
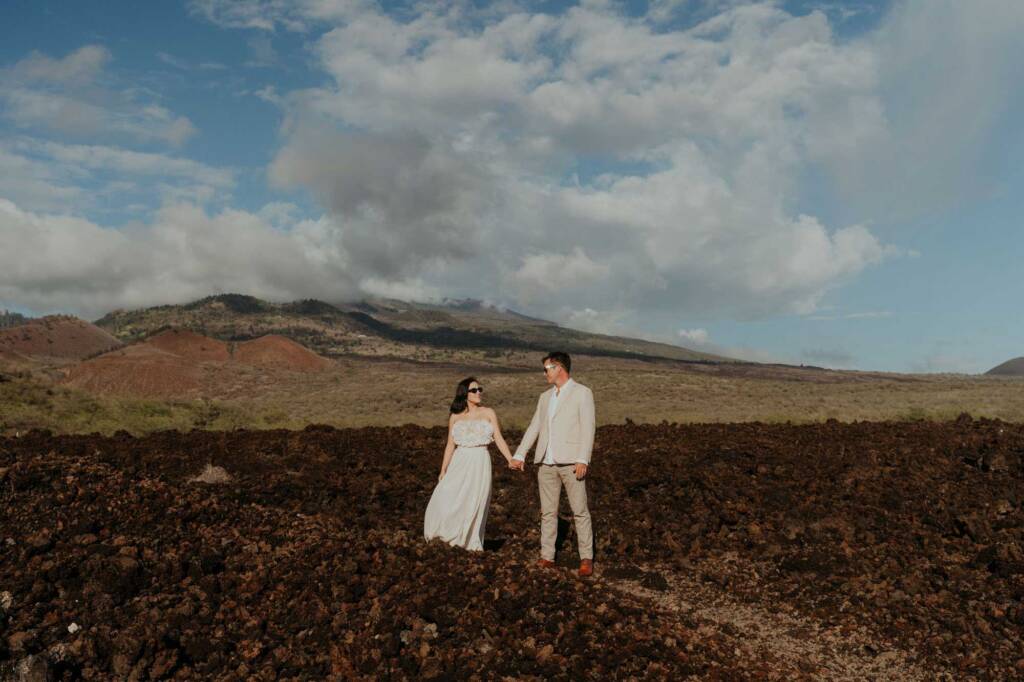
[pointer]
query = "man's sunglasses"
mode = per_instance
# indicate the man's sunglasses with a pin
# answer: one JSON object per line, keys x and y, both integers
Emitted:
{"x": 477, "y": 390}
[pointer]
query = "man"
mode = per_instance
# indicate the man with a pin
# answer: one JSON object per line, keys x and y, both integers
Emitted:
{"x": 563, "y": 428}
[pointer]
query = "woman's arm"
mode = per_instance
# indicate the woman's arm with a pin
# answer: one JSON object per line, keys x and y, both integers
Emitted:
{"x": 449, "y": 448}
{"x": 498, "y": 439}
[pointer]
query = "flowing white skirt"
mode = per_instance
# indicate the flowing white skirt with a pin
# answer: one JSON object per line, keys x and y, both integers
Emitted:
{"x": 457, "y": 511}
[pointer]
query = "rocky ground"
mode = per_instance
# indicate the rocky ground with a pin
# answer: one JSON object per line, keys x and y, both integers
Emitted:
{"x": 834, "y": 551}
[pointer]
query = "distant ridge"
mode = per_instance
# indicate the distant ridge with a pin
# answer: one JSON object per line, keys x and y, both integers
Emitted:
{"x": 1010, "y": 368}
{"x": 383, "y": 327}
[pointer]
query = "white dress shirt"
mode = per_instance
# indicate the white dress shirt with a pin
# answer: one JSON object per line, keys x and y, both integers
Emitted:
{"x": 549, "y": 458}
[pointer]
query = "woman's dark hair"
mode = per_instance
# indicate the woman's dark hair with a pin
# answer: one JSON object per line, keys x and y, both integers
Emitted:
{"x": 559, "y": 357}
{"x": 461, "y": 401}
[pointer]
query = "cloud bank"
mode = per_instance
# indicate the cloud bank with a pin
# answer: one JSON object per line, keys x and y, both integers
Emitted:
{"x": 690, "y": 143}
{"x": 588, "y": 165}
{"x": 183, "y": 254}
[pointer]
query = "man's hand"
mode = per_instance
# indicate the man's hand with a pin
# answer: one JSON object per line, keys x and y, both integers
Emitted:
{"x": 581, "y": 471}
{"x": 517, "y": 464}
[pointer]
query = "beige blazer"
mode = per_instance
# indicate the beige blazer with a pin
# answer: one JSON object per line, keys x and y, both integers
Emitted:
{"x": 572, "y": 426}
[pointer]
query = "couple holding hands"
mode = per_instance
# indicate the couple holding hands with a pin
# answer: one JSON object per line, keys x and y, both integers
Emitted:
{"x": 563, "y": 429}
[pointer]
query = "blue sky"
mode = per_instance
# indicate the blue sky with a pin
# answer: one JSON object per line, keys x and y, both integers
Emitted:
{"x": 818, "y": 182}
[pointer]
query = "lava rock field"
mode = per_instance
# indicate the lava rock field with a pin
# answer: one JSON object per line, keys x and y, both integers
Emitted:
{"x": 118, "y": 560}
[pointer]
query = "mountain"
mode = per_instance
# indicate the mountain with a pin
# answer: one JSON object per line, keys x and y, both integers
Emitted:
{"x": 384, "y": 328}
{"x": 1010, "y": 368}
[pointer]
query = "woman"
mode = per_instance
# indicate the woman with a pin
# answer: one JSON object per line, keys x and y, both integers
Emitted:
{"x": 457, "y": 511}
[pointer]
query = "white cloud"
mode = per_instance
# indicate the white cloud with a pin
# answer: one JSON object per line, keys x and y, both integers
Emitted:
{"x": 549, "y": 274}
{"x": 405, "y": 201}
{"x": 171, "y": 60}
{"x": 939, "y": 110}
{"x": 868, "y": 315}
{"x": 37, "y": 184}
{"x": 100, "y": 157}
{"x": 53, "y": 262}
{"x": 611, "y": 322}
{"x": 269, "y": 94}
{"x": 261, "y": 51}
{"x": 82, "y": 66}
{"x": 268, "y": 15}
{"x": 280, "y": 214}
{"x": 843, "y": 10}
{"x": 257, "y": 14}
{"x": 414, "y": 289}
{"x": 74, "y": 96}
{"x": 697, "y": 336}
{"x": 466, "y": 164}
{"x": 47, "y": 176}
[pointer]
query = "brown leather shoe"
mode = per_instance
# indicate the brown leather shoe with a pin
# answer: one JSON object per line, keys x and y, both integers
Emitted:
{"x": 586, "y": 568}
{"x": 544, "y": 563}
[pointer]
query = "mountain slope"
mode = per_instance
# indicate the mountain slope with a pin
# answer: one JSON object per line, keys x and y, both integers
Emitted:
{"x": 384, "y": 327}
{"x": 59, "y": 337}
{"x": 184, "y": 364}
{"x": 1010, "y": 368}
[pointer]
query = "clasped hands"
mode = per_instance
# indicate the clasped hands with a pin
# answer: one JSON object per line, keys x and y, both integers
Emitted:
{"x": 520, "y": 465}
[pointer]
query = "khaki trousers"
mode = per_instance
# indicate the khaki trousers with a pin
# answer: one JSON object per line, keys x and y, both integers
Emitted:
{"x": 550, "y": 480}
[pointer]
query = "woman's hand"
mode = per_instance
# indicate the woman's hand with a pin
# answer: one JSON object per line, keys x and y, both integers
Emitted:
{"x": 441, "y": 475}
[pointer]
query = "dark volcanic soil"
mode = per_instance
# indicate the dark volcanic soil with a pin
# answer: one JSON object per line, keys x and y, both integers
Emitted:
{"x": 902, "y": 544}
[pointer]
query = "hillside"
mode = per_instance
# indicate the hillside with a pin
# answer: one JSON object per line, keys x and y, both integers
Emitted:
{"x": 57, "y": 337}
{"x": 183, "y": 364}
{"x": 1010, "y": 368}
{"x": 385, "y": 328}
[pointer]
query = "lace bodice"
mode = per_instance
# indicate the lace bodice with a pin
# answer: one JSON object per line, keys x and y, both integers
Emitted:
{"x": 470, "y": 433}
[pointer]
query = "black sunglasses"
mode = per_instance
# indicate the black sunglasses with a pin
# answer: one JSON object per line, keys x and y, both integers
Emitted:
{"x": 477, "y": 390}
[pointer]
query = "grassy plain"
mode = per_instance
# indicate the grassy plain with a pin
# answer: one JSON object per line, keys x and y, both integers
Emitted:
{"x": 360, "y": 391}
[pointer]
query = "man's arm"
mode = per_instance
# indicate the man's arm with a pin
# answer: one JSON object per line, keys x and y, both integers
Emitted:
{"x": 587, "y": 427}
{"x": 530, "y": 437}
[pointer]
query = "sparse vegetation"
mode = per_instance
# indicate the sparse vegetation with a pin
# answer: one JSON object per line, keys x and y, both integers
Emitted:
{"x": 401, "y": 369}
{"x": 364, "y": 392}
{"x": 9, "y": 319}
{"x": 27, "y": 402}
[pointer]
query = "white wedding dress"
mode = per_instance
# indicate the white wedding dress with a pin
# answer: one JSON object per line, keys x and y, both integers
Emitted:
{"x": 457, "y": 511}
